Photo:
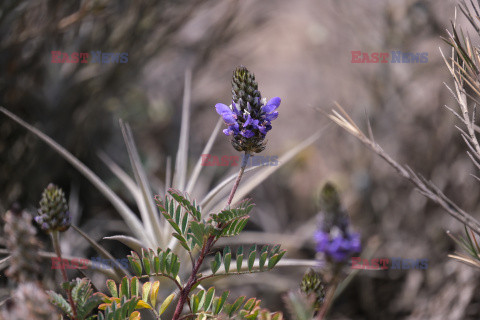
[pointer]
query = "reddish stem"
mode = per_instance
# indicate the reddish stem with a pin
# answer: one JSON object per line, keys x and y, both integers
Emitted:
{"x": 239, "y": 177}
{"x": 193, "y": 277}
{"x": 56, "y": 246}
{"x": 192, "y": 280}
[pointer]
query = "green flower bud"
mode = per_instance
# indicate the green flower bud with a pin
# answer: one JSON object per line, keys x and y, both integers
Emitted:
{"x": 245, "y": 90}
{"x": 53, "y": 214}
{"x": 313, "y": 284}
{"x": 332, "y": 213}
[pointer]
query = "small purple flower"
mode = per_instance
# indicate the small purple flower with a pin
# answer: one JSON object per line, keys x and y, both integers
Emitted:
{"x": 248, "y": 124}
{"x": 338, "y": 248}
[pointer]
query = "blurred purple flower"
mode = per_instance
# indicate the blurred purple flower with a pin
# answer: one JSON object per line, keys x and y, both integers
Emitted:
{"x": 338, "y": 248}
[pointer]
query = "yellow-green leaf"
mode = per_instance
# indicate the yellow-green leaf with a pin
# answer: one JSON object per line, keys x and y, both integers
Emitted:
{"x": 146, "y": 290}
{"x": 135, "y": 316}
{"x": 142, "y": 304}
{"x": 154, "y": 293}
{"x": 112, "y": 287}
{"x": 134, "y": 283}
{"x": 166, "y": 303}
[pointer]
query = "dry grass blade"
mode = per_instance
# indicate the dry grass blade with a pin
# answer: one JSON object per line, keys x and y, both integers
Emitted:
{"x": 148, "y": 211}
{"x": 130, "y": 242}
{"x": 168, "y": 174}
{"x": 128, "y": 216}
{"x": 180, "y": 174}
{"x": 121, "y": 175}
{"x": 110, "y": 273}
{"x": 426, "y": 188}
{"x": 210, "y": 195}
{"x": 206, "y": 150}
{"x": 119, "y": 269}
{"x": 287, "y": 241}
{"x": 4, "y": 262}
{"x": 252, "y": 182}
{"x": 465, "y": 259}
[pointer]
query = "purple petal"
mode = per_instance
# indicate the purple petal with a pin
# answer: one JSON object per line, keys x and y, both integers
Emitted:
{"x": 249, "y": 108}
{"x": 355, "y": 243}
{"x": 235, "y": 128}
{"x": 272, "y": 116}
{"x": 248, "y": 122}
{"x": 323, "y": 240}
{"x": 235, "y": 109}
{"x": 229, "y": 118}
{"x": 271, "y": 105}
{"x": 222, "y": 108}
{"x": 247, "y": 134}
{"x": 232, "y": 129}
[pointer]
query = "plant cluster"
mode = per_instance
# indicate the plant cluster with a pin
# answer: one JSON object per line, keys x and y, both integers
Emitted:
{"x": 175, "y": 249}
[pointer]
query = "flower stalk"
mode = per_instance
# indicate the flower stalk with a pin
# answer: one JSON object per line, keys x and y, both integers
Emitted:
{"x": 239, "y": 177}
{"x": 330, "y": 296}
{"x": 55, "y": 236}
{"x": 207, "y": 246}
{"x": 248, "y": 118}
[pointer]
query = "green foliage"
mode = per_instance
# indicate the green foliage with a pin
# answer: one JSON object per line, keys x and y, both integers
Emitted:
{"x": 123, "y": 310}
{"x": 59, "y": 301}
{"x": 181, "y": 214}
{"x": 204, "y": 304}
{"x": 160, "y": 263}
{"x": 132, "y": 290}
{"x": 230, "y": 222}
{"x": 229, "y": 214}
{"x": 199, "y": 232}
{"x": 471, "y": 247}
{"x": 192, "y": 209}
{"x": 469, "y": 244}
{"x": 262, "y": 260}
{"x": 82, "y": 295}
{"x": 126, "y": 298}
{"x": 189, "y": 228}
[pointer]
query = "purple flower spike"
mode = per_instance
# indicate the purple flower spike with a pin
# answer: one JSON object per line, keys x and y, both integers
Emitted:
{"x": 249, "y": 116}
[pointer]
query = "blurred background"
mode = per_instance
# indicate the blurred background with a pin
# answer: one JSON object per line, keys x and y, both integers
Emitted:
{"x": 299, "y": 51}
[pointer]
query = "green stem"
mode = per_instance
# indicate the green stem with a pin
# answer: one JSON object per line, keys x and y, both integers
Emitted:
{"x": 56, "y": 245}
